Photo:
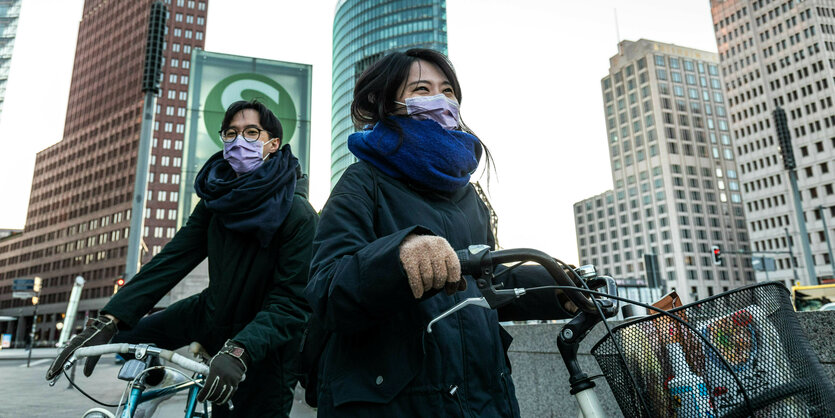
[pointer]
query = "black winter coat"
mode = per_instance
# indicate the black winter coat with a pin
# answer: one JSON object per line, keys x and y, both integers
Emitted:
{"x": 254, "y": 297}
{"x": 379, "y": 361}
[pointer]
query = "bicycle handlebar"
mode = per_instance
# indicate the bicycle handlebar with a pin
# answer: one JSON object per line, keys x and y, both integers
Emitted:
{"x": 136, "y": 349}
{"x": 472, "y": 263}
{"x": 479, "y": 262}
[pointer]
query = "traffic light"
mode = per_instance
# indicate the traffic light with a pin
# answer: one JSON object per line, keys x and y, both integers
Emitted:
{"x": 118, "y": 283}
{"x": 717, "y": 255}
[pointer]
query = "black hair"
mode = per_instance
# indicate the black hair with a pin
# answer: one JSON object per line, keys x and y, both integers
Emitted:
{"x": 266, "y": 117}
{"x": 377, "y": 89}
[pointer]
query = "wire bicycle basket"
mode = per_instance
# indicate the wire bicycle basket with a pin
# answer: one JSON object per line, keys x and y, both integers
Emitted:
{"x": 739, "y": 353}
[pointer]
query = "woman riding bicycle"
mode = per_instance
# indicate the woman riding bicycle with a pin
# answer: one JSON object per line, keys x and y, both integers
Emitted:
{"x": 384, "y": 263}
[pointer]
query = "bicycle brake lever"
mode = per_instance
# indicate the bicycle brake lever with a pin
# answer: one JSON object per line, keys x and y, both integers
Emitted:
{"x": 500, "y": 297}
{"x": 466, "y": 302}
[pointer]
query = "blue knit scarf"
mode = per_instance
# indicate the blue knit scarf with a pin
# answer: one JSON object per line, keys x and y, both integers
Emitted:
{"x": 426, "y": 154}
{"x": 255, "y": 203}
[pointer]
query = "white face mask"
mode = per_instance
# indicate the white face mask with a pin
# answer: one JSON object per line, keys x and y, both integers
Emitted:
{"x": 439, "y": 108}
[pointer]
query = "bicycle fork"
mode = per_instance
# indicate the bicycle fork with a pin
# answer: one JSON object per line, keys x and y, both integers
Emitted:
{"x": 582, "y": 387}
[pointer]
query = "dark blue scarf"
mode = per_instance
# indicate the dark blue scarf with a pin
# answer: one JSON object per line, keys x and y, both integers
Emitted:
{"x": 255, "y": 203}
{"x": 426, "y": 154}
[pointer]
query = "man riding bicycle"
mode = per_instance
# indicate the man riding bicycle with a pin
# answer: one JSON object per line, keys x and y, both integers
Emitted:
{"x": 256, "y": 227}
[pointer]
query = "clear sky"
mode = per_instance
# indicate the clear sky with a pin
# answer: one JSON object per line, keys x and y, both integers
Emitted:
{"x": 530, "y": 75}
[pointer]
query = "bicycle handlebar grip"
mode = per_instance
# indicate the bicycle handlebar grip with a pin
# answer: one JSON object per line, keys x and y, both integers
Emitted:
{"x": 98, "y": 350}
{"x": 185, "y": 362}
{"x": 471, "y": 258}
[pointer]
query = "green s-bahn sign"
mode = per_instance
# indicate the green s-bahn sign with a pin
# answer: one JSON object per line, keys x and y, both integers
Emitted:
{"x": 218, "y": 80}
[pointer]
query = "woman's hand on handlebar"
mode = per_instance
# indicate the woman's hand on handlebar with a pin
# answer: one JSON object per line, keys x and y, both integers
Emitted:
{"x": 430, "y": 263}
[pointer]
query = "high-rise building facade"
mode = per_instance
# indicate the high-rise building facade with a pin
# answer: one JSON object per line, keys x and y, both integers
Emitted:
{"x": 782, "y": 54}
{"x": 80, "y": 204}
{"x": 9, "y": 13}
{"x": 677, "y": 191}
{"x": 363, "y": 32}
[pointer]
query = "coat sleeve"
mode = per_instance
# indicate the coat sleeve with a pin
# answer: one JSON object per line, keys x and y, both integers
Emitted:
{"x": 156, "y": 278}
{"x": 543, "y": 304}
{"x": 357, "y": 279}
{"x": 284, "y": 311}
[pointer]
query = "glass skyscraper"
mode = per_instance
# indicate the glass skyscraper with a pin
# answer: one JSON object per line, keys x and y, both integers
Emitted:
{"x": 9, "y": 12}
{"x": 363, "y": 32}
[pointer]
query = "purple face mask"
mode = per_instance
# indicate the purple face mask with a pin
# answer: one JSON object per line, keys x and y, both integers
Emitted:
{"x": 439, "y": 108}
{"x": 244, "y": 156}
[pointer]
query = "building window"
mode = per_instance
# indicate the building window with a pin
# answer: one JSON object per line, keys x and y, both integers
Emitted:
{"x": 659, "y": 61}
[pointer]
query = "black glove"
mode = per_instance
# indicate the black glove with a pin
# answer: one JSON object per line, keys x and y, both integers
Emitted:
{"x": 226, "y": 370}
{"x": 98, "y": 331}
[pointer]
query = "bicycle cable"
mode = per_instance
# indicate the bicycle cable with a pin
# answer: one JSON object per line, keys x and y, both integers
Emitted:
{"x": 88, "y": 396}
{"x": 508, "y": 270}
{"x": 608, "y": 329}
{"x": 121, "y": 404}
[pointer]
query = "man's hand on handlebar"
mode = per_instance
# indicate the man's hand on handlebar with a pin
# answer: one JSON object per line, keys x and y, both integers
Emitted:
{"x": 227, "y": 370}
{"x": 430, "y": 263}
{"x": 99, "y": 330}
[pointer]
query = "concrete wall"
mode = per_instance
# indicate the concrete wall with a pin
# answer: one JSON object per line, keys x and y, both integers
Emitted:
{"x": 542, "y": 382}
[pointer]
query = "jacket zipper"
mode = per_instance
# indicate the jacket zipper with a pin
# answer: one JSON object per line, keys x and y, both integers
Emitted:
{"x": 453, "y": 393}
{"x": 503, "y": 377}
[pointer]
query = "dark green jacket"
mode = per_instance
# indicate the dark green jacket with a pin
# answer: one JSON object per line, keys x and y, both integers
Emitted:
{"x": 255, "y": 294}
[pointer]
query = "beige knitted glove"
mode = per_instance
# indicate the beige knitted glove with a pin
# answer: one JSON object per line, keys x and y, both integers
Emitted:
{"x": 430, "y": 263}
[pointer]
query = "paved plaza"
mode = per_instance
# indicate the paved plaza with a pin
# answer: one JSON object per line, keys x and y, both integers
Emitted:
{"x": 25, "y": 393}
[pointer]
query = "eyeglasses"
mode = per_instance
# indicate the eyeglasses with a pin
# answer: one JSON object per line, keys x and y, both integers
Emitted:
{"x": 250, "y": 134}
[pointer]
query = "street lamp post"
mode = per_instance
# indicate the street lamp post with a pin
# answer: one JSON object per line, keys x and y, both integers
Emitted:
{"x": 150, "y": 86}
{"x": 36, "y": 302}
{"x": 826, "y": 236}
{"x": 784, "y": 138}
{"x": 791, "y": 255}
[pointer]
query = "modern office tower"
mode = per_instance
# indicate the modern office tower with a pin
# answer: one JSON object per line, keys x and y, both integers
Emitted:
{"x": 782, "y": 53}
{"x": 9, "y": 12}
{"x": 363, "y": 32}
{"x": 677, "y": 191}
{"x": 79, "y": 209}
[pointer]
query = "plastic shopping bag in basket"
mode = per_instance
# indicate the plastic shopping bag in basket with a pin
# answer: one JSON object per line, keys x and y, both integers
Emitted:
{"x": 751, "y": 345}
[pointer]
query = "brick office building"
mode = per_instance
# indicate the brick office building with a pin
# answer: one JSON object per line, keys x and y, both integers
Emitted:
{"x": 80, "y": 203}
